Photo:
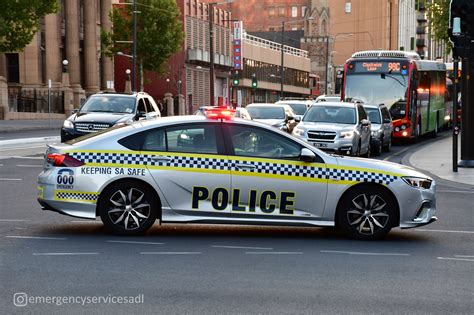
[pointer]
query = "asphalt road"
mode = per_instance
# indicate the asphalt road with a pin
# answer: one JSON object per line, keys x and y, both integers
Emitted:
{"x": 230, "y": 269}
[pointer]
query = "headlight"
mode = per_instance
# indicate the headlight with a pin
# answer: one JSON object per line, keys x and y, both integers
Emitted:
{"x": 397, "y": 129}
{"x": 298, "y": 132}
{"x": 376, "y": 133}
{"x": 418, "y": 182}
{"x": 403, "y": 127}
{"x": 68, "y": 124}
{"x": 347, "y": 134}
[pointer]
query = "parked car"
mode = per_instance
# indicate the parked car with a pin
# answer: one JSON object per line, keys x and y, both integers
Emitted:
{"x": 328, "y": 98}
{"x": 104, "y": 110}
{"x": 299, "y": 107}
{"x": 242, "y": 112}
{"x": 336, "y": 126}
{"x": 381, "y": 127}
{"x": 280, "y": 116}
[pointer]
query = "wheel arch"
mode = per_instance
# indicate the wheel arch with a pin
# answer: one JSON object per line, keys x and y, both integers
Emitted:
{"x": 366, "y": 184}
{"x": 130, "y": 179}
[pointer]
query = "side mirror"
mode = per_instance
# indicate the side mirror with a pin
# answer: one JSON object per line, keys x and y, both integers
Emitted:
{"x": 75, "y": 110}
{"x": 365, "y": 122}
{"x": 289, "y": 117}
{"x": 387, "y": 121}
{"x": 140, "y": 114}
{"x": 298, "y": 119}
{"x": 307, "y": 155}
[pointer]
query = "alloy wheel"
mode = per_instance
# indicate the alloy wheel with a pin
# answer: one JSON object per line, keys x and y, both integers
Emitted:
{"x": 129, "y": 209}
{"x": 368, "y": 214}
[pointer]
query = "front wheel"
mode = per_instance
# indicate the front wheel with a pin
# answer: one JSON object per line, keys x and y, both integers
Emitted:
{"x": 128, "y": 207}
{"x": 366, "y": 213}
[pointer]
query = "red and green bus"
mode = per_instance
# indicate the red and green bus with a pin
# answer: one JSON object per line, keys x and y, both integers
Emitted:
{"x": 412, "y": 89}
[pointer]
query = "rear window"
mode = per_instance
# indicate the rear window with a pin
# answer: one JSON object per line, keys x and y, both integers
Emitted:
{"x": 266, "y": 112}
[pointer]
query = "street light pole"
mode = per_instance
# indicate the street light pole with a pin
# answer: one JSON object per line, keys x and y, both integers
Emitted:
{"x": 211, "y": 52}
{"x": 282, "y": 72}
{"x": 134, "y": 54}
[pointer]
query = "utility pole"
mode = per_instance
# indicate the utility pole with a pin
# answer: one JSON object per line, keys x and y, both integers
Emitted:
{"x": 211, "y": 53}
{"x": 134, "y": 54}
{"x": 282, "y": 72}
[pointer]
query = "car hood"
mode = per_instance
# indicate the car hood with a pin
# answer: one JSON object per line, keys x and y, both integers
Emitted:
{"x": 109, "y": 118}
{"x": 271, "y": 122}
{"x": 378, "y": 165}
{"x": 325, "y": 126}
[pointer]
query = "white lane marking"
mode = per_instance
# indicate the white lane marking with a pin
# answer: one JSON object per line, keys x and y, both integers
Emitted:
{"x": 28, "y": 157}
{"x": 456, "y": 191}
{"x": 170, "y": 253}
{"x": 24, "y": 148}
{"x": 37, "y": 237}
{"x": 63, "y": 254}
{"x": 11, "y": 179}
{"x": 1, "y": 164}
{"x": 18, "y": 228}
{"x": 27, "y": 165}
{"x": 363, "y": 253}
{"x": 458, "y": 259}
{"x": 446, "y": 231}
{"x": 464, "y": 256}
{"x": 13, "y": 220}
{"x": 134, "y": 242}
{"x": 241, "y": 247}
{"x": 273, "y": 253}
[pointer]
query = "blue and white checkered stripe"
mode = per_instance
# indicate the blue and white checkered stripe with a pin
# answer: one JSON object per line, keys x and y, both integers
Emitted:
{"x": 224, "y": 164}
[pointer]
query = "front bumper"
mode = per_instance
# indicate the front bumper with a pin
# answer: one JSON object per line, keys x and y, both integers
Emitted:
{"x": 338, "y": 145}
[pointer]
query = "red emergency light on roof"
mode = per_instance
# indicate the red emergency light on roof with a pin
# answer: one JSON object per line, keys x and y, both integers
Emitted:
{"x": 218, "y": 112}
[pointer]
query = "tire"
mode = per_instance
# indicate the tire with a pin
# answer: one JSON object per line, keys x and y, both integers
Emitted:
{"x": 378, "y": 149}
{"x": 357, "y": 152}
{"x": 369, "y": 152}
{"x": 128, "y": 207}
{"x": 366, "y": 212}
{"x": 387, "y": 147}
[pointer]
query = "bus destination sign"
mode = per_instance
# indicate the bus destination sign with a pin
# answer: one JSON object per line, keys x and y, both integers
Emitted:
{"x": 378, "y": 67}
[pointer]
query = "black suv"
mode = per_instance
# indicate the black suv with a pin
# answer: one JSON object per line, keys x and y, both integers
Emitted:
{"x": 104, "y": 110}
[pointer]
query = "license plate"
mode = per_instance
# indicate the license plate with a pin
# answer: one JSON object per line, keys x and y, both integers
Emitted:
{"x": 320, "y": 145}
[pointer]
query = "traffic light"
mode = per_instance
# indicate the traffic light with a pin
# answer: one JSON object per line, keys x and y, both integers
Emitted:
{"x": 235, "y": 78}
{"x": 254, "y": 81}
{"x": 461, "y": 28}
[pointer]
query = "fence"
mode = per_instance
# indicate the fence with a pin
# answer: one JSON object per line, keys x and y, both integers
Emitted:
{"x": 35, "y": 100}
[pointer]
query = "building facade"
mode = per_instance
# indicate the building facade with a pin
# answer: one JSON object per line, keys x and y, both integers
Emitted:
{"x": 70, "y": 37}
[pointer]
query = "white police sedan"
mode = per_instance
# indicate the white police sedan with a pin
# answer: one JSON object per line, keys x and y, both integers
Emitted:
{"x": 219, "y": 169}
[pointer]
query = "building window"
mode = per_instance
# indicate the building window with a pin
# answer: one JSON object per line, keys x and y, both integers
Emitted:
{"x": 13, "y": 68}
{"x": 294, "y": 11}
{"x": 271, "y": 11}
{"x": 303, "y": 11}
{"x": 281, "y": 11}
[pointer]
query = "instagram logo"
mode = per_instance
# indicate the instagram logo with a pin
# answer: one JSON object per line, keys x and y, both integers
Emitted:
{"x": 20, "y": 299}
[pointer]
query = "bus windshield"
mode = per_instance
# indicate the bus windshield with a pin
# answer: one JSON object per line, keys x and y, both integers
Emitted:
{"x": 379, "y": 88}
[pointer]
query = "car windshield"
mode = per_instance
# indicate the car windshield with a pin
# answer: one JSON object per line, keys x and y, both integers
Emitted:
{"x": 266, "y": 112}
{"x": 331, "y": 114}
{"x": 389, "y": 89}
{"x": 298, "y": 109}
{"x": 109, "y": 104}
{"x": 373, "y": 114}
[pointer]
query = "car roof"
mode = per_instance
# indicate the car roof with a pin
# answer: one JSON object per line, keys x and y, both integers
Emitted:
{"x": 295, "y": 102}
{"x": 372, "y": 105}
{"x": 335, "y": 104}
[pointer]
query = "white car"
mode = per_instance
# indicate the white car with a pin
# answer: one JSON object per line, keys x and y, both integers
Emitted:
{"x": 219, "y": 169}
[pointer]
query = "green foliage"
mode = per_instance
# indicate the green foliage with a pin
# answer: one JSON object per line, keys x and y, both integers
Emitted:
{"x": 19, "y": 21}
{"x": 438, "y": 11}
{"x": 159, "y": 32}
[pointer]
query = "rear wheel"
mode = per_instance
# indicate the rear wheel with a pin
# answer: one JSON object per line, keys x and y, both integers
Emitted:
{"x": 128, "y": 207}
{"x": 366, "y": 212}
{"x": 388, "y": 146}
{"x": 378, "y": 148}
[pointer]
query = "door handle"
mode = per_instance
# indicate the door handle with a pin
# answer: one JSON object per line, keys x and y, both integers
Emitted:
{"x": 245, "y": 166}
{"x": 160, "y": 158}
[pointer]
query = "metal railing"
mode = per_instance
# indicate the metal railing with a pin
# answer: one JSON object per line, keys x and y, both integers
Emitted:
{"x": 265, "y": 43}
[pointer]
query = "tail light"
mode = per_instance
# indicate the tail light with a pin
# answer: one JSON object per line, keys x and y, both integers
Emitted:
{"x": 57, "y": 159}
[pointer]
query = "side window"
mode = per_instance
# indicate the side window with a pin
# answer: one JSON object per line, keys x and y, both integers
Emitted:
{"x": 141, "y": 106}
{"x": 148, "y": 106}
{"x": 362, "y": 114}
{"x": 385, "y": 115}
{"x": 256, "y": 142}
{"x": 192, "y": 139}
{"x": 154, "y": 140}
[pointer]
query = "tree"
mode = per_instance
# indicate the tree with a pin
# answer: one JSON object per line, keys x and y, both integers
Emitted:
{"x": 19, "y": 21}
{"x": 438, "y": 12}
{"x": 159, "y": 32}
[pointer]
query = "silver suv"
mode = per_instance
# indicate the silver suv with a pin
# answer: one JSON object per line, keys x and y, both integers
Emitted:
{"x": 381, "y": 126}
{"x": 336, "y": 126}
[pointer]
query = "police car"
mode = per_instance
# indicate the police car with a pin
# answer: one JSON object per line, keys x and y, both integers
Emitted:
{"x": 219, "y": 169}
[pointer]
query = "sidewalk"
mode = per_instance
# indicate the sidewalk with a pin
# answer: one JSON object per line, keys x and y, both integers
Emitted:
{"x": 436, "y": 158}
{"x": 22, "y": 125}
